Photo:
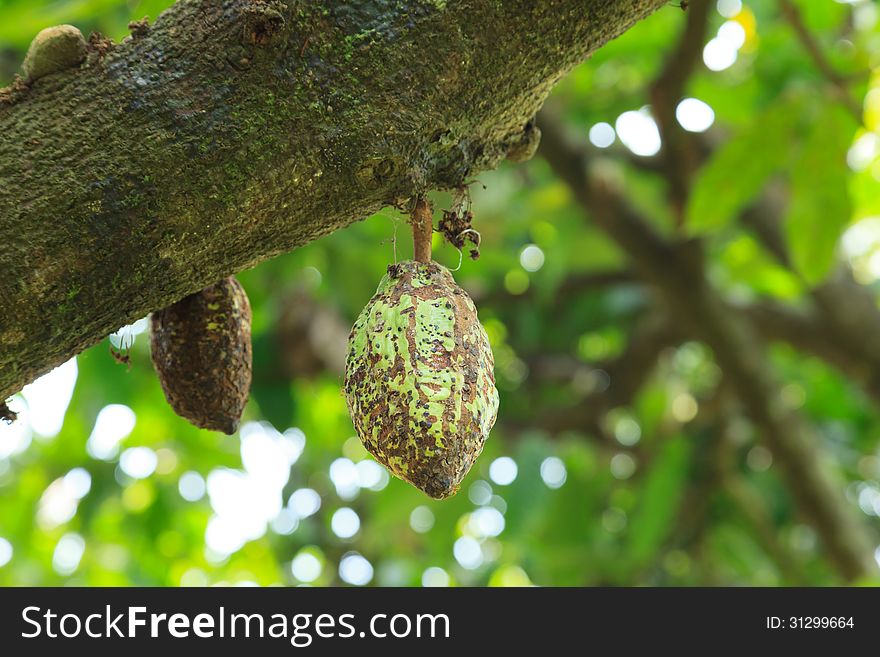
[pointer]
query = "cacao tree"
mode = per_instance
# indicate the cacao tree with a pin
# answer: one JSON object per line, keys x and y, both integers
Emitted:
{"x": 673, "y": 210}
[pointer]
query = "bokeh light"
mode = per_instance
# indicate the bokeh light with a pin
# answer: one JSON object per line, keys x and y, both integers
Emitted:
{"x": 435, "y": 577}
{"x": 694, "y": 115}
{"x": 245, "y": 502}
{"x": 191, "y": 486}
{"x": 344, "y": 475}
{"x": 138, "y": 462}
{"x": 421, "y": 519}
{"x": 553, "y": 472}
{"x": 602, "y": 135}
{"x": 480, "y": 492}
{"x": 355, "y": 569}
{"x": 345, "y": 522}
{"x": 722, "y": 51}
{"x": 16, "y": 437}
{"x": 531, "y": 258}
{"x": 61, "y": 498}
{"x": 503, "y": 471}
{"x": 68, "y": 552}
{"x": 729, "y": 8}
{"x": 6, "y": 552}
{"x": 583, "y": 477}
{"x": 307, "y": 565}
{"x": 486, "y": 521}
{"x": 468, "y": 553}
{"x": 304, "y": 502}
{"x": 622, "y": 465}
{"x": 638, "y": 132}
{"x": 48, "y": 397}
{"x": 285, "y": 523}
{"x": 113, "y": 424}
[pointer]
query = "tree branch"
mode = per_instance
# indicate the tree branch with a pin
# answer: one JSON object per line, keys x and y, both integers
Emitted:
{"x": 679, "y": 281}
{"x": 793, "y": 15}
{"x": 626, "y": 373}
{"x": 228, "y": 133}
{"x": 847, "y": 310}
{"x": 807, "y": 332}
{"x": 667, "y": 90}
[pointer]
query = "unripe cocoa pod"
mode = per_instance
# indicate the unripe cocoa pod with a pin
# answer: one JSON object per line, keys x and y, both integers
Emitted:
{"x": 419, "y": 379}
{"x": 201, "y": 348}
{"x": 54, "y": 49}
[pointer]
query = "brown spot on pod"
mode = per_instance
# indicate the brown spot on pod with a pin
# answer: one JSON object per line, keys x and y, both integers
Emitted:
{"x": 201, "y": 348}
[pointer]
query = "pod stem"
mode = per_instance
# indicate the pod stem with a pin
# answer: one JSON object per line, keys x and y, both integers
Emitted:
{"x": 422, "y": 227}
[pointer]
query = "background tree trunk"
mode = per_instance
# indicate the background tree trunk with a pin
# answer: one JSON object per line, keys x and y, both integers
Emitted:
{"x": 230, "y": 132}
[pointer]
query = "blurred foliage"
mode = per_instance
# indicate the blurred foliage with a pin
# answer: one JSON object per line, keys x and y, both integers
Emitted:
{"x": 641, "y": 505}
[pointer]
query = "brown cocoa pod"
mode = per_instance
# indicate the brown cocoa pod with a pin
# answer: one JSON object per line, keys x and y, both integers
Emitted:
{"x": 201, "y": 348}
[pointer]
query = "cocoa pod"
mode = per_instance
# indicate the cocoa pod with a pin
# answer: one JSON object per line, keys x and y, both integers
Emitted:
{"x": 419, "y": 379}
{"x": 54, "y": 49}
{"x": 201, "y": 348}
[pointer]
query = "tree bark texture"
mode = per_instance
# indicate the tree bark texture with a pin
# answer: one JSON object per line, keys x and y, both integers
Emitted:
{"x": 230, "y": 132}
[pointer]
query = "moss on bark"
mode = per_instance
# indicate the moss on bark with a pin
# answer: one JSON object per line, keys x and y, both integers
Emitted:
{"x": 229, "y": 132}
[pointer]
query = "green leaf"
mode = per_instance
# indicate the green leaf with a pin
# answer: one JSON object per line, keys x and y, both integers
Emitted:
{"x": 739, "y": 169}
{"x": 270, "y": 388}
{"x": 820, "y": 204}
{"x": 659, "y": 497}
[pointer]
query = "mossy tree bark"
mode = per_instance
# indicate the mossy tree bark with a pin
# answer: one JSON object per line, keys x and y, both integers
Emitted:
{"x": 230, "y": 132}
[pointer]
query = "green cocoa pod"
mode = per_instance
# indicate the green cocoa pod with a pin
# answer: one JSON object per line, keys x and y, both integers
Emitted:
{"x": 419, "y": 379}
{"x": 201, "y": 348}
{"x": 54, "y": 49}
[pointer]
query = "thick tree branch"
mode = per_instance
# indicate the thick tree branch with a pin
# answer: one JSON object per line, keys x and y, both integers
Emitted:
{"x": 230, "y": 132}
{"x": 679, "y": 281}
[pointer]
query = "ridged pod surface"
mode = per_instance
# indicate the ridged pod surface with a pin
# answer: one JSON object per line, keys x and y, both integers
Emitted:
{"x": 201, "y": 348}
{"x": 419, "y": 379}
